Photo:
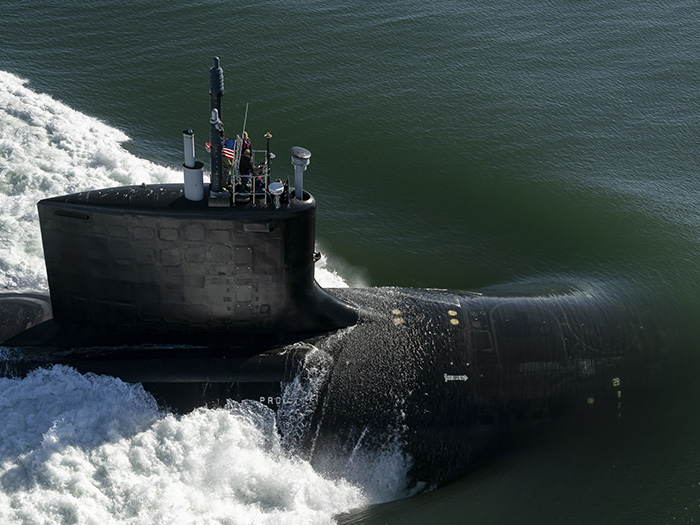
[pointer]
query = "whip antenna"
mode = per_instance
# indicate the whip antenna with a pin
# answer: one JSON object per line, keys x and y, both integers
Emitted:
{"x": 245, "y": 118}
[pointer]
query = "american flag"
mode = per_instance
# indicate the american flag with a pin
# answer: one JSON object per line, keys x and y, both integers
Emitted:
{"x": 228, "y": 150}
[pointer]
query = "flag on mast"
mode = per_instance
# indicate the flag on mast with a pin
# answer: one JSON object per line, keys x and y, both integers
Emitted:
{"x": 228, "y": 149}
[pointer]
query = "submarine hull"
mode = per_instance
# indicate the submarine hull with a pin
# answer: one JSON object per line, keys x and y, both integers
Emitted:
{"x": 449, "y": 378}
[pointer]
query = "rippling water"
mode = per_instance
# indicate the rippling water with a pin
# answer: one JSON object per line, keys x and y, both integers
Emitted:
{"x": 454, "y": 145}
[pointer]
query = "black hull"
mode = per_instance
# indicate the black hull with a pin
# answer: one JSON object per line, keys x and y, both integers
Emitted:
{"x": 450, "y": 377}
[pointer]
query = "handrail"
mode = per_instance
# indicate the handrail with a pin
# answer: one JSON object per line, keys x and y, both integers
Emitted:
{"x": 254, "y": 193}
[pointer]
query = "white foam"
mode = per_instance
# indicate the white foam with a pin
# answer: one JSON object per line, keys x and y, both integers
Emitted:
{"x": 91, "y": 449}
{"x": 337, "y": 274}
{"x": 47, "y": 149}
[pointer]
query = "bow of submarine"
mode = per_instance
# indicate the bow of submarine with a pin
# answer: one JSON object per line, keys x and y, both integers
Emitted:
{"x": 456, "y": 377}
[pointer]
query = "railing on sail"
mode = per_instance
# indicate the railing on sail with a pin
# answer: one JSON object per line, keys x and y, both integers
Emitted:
{"x": 258, "y": 181}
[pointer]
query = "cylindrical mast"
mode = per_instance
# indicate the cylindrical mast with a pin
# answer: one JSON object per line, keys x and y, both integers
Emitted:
{"x": 216, "y": 85}
{"x": 216, "y": 127}
{"x": 188, "y": 138}
{"x": 216, "y": 139}
{"x": 268, "y": 136}
{"x": 300, "y": 159}
{"x": 193, "y": 170}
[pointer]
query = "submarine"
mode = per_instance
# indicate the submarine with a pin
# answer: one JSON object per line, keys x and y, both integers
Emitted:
{"x": 205, "y": 293}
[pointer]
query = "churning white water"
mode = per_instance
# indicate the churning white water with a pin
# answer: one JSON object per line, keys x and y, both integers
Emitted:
{"x": 92, "y": 449}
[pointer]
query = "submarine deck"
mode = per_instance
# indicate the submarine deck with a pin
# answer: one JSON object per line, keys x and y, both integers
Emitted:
{"x": 171, "y": 198}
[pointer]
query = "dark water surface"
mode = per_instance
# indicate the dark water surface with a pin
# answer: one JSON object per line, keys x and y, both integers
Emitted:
{"x": 455, "y": 145}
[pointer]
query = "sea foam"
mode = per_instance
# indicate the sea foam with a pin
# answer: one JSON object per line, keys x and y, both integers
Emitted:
{"x": 91, "y": 449}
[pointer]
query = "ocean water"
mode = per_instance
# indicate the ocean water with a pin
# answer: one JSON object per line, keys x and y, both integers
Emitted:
{"x": 454, "y": 145}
